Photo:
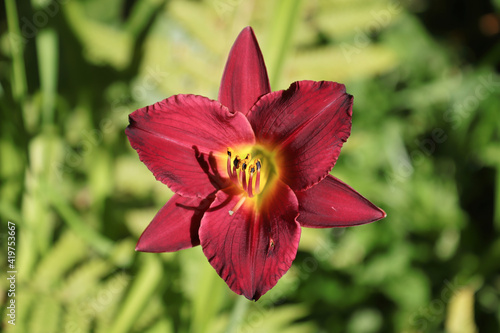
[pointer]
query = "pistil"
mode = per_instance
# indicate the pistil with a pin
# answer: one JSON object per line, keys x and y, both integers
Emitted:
{"x": 237, "y": 206}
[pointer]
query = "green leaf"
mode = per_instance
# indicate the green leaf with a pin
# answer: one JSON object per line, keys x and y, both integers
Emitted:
{"x": 47, "y": 43}
{"x": 17, "y": 42}
{"x": 102, "y": 43}
{"x": 74, "y": 221}
{"x": 46, "y": 315}
{"x": 63, "y": 256}
{"x": 285, "y": 15}
{"x": 143, "y": 287}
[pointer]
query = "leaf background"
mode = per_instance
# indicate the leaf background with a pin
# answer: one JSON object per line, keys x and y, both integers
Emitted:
{"x": 424, "y": 147}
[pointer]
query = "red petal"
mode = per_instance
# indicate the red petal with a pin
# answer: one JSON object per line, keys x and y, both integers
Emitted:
{"x": 175, "y": 226}
{"x": 245, "y": 76}
{"x": 253, "y": 248}
{"x": 307, "y": 124}
{"x": 180, "y": 138}
{"x": 332, "y": 203}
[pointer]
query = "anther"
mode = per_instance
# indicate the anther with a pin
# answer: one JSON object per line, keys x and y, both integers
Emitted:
{"x": 258, "y": 164}
{"x": 243, "y": 173}
{"x": 236, "y": 163}
{"x": 251, "y": 171}
{"x": 229, "y": 154}
{"x": 236, "y": 166}
{"x": 237, "y": 169}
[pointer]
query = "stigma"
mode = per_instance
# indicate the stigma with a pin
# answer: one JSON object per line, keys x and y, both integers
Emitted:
{"x": 245, "y": 172}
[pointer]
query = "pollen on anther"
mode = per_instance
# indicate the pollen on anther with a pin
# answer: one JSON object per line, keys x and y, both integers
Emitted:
{"x": 237, "y": 162}
{"x": 251, "y": 168}
{"x": 257, "y": 178}
{"x": 258, "y": 164}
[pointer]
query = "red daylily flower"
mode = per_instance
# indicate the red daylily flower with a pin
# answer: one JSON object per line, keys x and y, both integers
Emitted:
{"x": 248, "y": 170}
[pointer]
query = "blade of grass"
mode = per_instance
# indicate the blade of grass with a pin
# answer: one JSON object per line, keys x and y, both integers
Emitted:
{"x": 17, "y": 42}
{"x": 238, "y": 314}
{"x": 10, "y": 211}
{"x": 209, "y": 299}
{"x": 285, "y": 15}
{"x": 48, "y": 58}
{"x": 102, "y": 244}
{"x": 140, "y": 293}
{"x": 141, "y": 15}
{"x": 497, "y": 198}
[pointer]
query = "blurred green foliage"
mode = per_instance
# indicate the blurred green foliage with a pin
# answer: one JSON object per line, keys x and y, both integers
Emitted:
{"x": 424, "y": 147}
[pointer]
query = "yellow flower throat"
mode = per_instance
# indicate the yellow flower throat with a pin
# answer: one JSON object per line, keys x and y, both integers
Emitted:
{"x": 251, "y": 173}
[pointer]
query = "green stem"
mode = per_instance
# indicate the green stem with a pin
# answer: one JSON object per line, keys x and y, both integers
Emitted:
{"x": 141, "y": 15}
{"x": 238, "y": 314}
{"x": 17, "y": 41}
{"x": 141, "y": 292}
{"x": 48, "y": 53}
{"x": 497, "y": 198}
{"x": 285, "y": 16}
{"x": 102, "y": 244}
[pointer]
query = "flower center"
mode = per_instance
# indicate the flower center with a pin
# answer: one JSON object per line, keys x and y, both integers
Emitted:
{"x": 252, "y": 169}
